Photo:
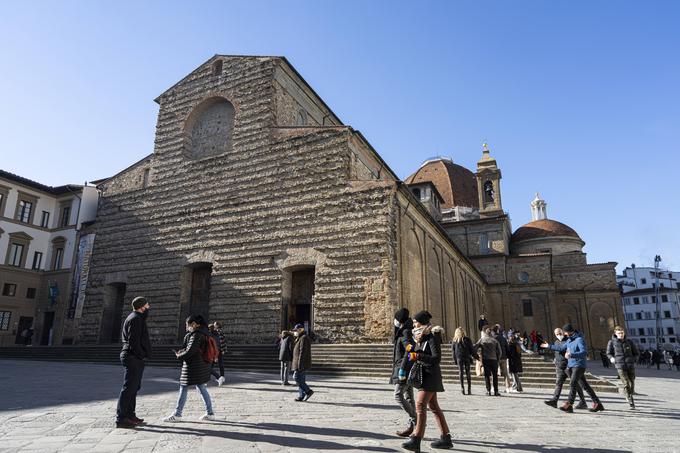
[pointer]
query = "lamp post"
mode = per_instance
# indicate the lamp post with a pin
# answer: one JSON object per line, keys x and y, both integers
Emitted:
{"x": 659, "y": 333}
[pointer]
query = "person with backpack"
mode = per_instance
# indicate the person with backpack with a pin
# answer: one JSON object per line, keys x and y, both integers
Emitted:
{"x": 463, "y": 355}
{"x": 302, "y": 362}
{"x": 285, "y": 355}
{"x": 428, "y": 352}
{"x": 198, "y": 353}
{"x": 403, "y": 391}
{"x": 216, "y": 331}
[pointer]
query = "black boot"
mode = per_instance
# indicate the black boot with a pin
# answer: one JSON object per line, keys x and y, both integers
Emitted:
{"x": 413, "y": 444}
{"x": 462, "y": 390}
{"x": 443, "y": 442}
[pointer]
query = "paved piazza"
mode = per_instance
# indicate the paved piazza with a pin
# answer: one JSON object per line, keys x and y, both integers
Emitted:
{"x": 62, "y": 407}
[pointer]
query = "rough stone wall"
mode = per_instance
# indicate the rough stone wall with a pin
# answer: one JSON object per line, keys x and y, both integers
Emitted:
{"x": 538, "y": 269}
{"x": 277, "y": 190}
{"x": 288, "y": 108}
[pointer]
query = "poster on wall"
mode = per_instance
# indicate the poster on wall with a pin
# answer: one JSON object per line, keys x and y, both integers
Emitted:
{"x": 82, "y": 270}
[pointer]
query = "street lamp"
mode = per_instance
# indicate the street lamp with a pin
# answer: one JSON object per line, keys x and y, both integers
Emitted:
{"x": 659, "y": 334}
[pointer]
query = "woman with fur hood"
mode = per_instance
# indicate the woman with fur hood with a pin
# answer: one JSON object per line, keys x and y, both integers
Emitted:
{"x": 428, "y": 351}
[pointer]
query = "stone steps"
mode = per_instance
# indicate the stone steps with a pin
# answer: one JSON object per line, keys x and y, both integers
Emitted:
{"x": 351, "y": 360}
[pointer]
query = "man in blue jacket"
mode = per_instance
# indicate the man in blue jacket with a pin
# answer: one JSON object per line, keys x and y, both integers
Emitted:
{"x": 575, "y": 351}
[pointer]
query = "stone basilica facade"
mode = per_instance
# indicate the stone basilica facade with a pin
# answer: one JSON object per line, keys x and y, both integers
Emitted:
{"x": 260, "y": 208}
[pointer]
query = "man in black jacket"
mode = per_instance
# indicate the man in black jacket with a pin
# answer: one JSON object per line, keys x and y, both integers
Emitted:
{"x": 623, "y": 353}
{"x": 403, "y": 391}
{"x": 136, "y": 349}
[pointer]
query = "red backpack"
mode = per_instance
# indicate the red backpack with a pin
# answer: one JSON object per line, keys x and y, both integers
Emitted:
{"x": 211, "y": 352}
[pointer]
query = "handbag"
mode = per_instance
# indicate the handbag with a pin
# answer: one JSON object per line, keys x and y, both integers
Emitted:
{"x": 415, "y": 376}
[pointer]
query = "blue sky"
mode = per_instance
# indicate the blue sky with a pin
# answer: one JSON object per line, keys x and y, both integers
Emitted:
{"x": 578, "y": 100}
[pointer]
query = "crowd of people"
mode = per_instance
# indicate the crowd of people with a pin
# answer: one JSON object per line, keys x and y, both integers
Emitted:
{"x": 417, "y": 354}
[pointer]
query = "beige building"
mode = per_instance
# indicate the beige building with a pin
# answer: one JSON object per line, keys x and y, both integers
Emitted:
{"x": 39, "y": 230}
{"x": 260, "y": 208}
{"x": 537, "y": 276}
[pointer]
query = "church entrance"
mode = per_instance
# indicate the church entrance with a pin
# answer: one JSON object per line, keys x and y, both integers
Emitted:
{"x": 195, "y": 297}
{"x": 300, "y": 304}
{"x": 112, "y": 317}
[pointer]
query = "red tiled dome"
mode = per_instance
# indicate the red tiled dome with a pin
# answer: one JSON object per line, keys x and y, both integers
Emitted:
{"x": 456, "y": 184}
{"x": 543, "y": 229}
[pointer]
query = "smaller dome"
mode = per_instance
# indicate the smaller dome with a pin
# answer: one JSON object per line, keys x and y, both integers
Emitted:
{"x": 545, "y": 228}
{"x": 456, "y": 184}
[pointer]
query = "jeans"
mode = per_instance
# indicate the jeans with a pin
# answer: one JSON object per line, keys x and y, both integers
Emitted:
{"x": 561, "y": 375}
{"x": 132, "y": 382}
{"x": 516, "y": 383}
{"x": 578, "y": 379}
{"x": 464, "y": 368}
{"x": 627, "y": 376}
{"x": 403, "y": 395}
{"x": 503, "y": 368}
{"x": 285, "y": 371}
{"x": 182, "y": 400}
{"x": 491, "y": 372}
{"x": 425, "y": 400}
{"x": 220, "y": 363}
{"x": 300, "y": 379}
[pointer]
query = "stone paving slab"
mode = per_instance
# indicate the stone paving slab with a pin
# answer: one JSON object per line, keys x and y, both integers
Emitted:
{"x": 69, "y": 407}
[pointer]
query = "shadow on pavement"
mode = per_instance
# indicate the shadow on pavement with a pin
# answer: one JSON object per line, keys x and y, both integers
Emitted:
{"x": 531, "y": 447}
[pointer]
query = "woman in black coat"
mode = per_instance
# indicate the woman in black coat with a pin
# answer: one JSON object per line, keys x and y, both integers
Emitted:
{"x": 195, "y": 369}
{"x": 514, "y": 353}
{"x": 428, "y": 351}
{"x": 463, "y": 355}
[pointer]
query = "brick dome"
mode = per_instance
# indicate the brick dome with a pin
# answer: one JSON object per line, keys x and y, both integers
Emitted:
{"x": 456, "y": 184}
{"x": 546, "y": 228}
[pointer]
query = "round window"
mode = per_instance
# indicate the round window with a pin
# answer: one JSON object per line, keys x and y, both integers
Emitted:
{"x": 523, "y": 277}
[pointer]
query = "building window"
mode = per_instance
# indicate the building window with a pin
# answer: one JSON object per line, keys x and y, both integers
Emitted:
{"x": 9, "y": 289}
{"x": 671, "y": 339}
{"x": 670, "y": 331}
{"x": 523, "y": 277}
{"x": 25, "y": 211}
{"x": 4, "y": 319}
{"x": 58, "y": 258}
{"x": 641, "y": 331}
{"x": 45, "y": 220}
{"x": 666, "y": 314}
{"x": 636, "y": 300}
{"x": 638, "y": 315}
{"x": 30, "y": 293}
{"x": 416, "y": 193}
{"x": 643, "y": 340}
{"x": 648, "y": 315}
{"x": 664, "y": 298}
{"x": 483, "y": 243}
{"x": 527, "y": 307}
{"x": 643, "y": 281}
{"x": 64, "y": 214}
{"x": 4, "y": 192}
{"x": 662, "y": 285}
{"x": 645, "y": 299}
{"x": 145, "y": 178}
{"x": 650, "y": 331}
{"x": 37, "y": 261}
{"x": 653, "y": 299}
{"x": 16, "y": 251}
{"x": 629, "y": 316}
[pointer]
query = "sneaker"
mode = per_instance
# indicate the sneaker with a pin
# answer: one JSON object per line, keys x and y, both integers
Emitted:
{"x": 496, "y": 394}
{"x": 551, "y": 403}
{"x": 582, "y": 405}
{"x": 567, "y": 407}
{"x": 309, "y": 395}
{"x": 125, "y": 423}
{"x": 205, "y": 417}
{"x": 597, "y": 407}
{"x": 221, "y": 381}
{"x": 299, "y": 398}
{"x": 173, "y": 418}
{"x": 508, "y": 390}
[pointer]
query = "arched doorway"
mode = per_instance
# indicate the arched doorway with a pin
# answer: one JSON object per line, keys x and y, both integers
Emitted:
{"x": 298, "y": 297}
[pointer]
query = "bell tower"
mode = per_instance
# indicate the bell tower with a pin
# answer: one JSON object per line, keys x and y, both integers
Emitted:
{"x": 488, "y": 185}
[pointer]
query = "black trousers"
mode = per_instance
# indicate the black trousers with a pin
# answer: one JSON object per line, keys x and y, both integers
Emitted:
{"x": 132, "y": 382}
{"x": 561, "y": 375}
{"x": 491, "y": 372}
{"x": 577, "y": 380}
{"x": 220, "y": 363}
{"x": 464, "y": 369}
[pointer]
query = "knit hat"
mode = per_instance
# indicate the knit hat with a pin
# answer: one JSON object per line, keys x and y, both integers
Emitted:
{"x": 401, "y": 315}
{"x": 567, "y": 328}
{"x": 299, "y": 326}
{"x": 423, "y": 317}
{"x": 138, "y": 302}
